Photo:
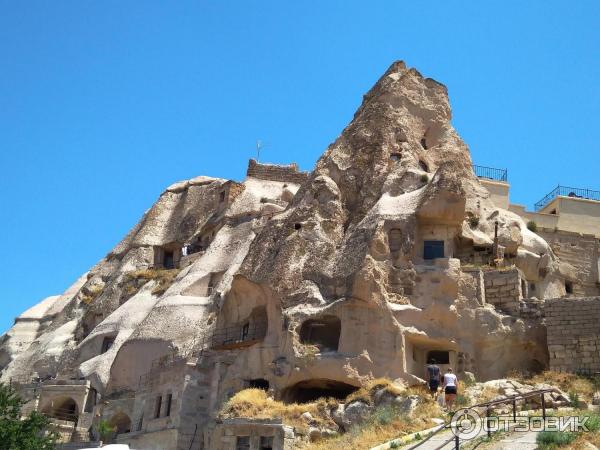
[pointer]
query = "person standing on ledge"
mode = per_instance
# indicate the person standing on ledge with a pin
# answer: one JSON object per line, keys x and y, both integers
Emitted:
{"x": 433, "y": 378}
{"x": 449, "y": 386}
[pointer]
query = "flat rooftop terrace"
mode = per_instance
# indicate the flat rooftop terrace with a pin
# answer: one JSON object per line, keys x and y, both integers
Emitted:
{"x": 566, "y": 191}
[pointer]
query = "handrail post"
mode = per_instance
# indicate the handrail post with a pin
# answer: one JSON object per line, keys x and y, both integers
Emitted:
{"x": 456, "y": 442}
{"x": 514, "y": 405}
{"x": 487, "y": 421}
{"x": 543, "y": 407}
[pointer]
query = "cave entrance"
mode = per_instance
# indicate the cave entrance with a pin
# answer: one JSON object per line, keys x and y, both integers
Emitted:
{"x": 311, "y": 390}
{"x": 438, "y": 357}
{"x": 63, "y": 408}
{"x": 121, "y": 423}
{"x": 323, "y": 332}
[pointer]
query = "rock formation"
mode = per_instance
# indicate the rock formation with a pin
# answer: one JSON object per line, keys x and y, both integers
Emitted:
{"x": 362, "y": 268}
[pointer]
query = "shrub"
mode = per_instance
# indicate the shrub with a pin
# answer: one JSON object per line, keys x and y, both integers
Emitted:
{"x": 553, "y": 439}
{"x": 575, "y": 401}
{"x": 23, "y": 433}
{"x": 424, "y": 178}
{"x": 532, "y": 226}
{"x": 473, "y": 221}
{"x": 105, "y": 431}
{"x": 90, "y": 293}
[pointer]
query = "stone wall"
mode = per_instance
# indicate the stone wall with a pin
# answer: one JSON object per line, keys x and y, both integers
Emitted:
{"x": 275, "y": 172}
{"x": 582, "y": 252}
{"x": 229, "y": 433}
{"x": 573, "y": 326}
{"x": 503, "y": 289}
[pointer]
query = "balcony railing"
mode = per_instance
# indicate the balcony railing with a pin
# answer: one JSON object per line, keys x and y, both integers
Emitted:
{"x": 566, "y": 191}
{"x": 491, "y": 173}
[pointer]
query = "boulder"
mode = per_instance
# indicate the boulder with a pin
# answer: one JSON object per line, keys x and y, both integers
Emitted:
{"x": 407, "y": 405}
{"x": 307, "y": 417}
{"x": 355, "y": 413}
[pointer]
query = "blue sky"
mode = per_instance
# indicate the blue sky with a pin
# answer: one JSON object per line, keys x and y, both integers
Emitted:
{"x": 105, "y": 103}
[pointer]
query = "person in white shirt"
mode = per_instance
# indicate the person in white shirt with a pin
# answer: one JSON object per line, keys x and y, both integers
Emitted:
{"x": 449, "y": 385}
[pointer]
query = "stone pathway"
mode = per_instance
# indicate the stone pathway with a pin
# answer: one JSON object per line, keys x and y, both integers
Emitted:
{"x": 508, "y": 441}
{"x": 515, "y": 441}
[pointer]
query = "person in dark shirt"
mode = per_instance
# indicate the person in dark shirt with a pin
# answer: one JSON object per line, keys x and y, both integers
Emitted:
{"x": 433, "y": 378}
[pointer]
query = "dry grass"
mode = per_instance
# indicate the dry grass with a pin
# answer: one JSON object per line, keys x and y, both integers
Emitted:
{"x": 91, "y": 293}
{"x": 365, "y": 393}
{"x": 568, "y": 382}
{"x": 133, "y": 281}
{"x": 255, "y": 404}
{"x": 384, "y": 425}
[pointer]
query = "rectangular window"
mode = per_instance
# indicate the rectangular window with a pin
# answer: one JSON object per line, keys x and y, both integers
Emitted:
{"x": 242, "y": 443}
{"x": 157, "y": 407}
{"x": 168, "y": 407}
{"x": 433, "y": 249}
{"x": 266, "y": 443}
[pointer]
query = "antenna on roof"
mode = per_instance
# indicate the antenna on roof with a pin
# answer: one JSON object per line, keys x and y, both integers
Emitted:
{"x": 259, "y": 145}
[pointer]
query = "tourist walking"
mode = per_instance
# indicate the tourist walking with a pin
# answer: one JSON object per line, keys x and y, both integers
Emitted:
{"x": 433, "y": 378}
{"x": 449, "y": 386}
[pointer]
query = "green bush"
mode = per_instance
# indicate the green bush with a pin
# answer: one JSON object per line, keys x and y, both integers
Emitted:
{"x": 593, "y": 423}
{"x": 23, "y": 433}
{"x": 424, "y": 178}
{"x": 384, "y": 415}
{"x": 575, "y": 401}
{"x": 105, "y": 431}
{"x": 532, "y": 226}
{"x": 553, "y": 439}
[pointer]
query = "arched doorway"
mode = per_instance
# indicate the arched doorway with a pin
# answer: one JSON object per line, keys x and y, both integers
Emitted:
{"x": 121, "y": 423}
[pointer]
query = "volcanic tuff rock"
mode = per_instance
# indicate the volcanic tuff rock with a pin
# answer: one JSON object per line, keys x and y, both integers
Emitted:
{"x": 343, "y": 250}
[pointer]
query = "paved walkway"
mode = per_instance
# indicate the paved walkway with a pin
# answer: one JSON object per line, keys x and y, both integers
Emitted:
{"x": 508, "y": 441}
{"x": 515, "y": 441}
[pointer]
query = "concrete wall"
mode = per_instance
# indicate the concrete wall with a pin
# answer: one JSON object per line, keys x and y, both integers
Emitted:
{"x": 542, "y": 220}
{"x": 275, "y": 172}
{"x": 577, "y": 215}
{"x": 573, "y": 326}
{"x": 498, "y": 192}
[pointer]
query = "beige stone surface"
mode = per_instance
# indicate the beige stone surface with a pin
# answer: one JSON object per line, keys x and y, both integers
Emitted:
{"x": 319, "y": 281}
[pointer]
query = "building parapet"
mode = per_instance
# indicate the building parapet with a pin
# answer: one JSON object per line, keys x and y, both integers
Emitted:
{"x": 566, "y": 191}
{"x": 491, "y": 173}
{"x": 275, "y": 172}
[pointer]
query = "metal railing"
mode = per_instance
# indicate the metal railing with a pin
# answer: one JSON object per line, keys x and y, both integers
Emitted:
{"x": 488, "y": 407}
{"x": 566, "y": 191}
{"x": 239, "y": 335}
{"x": 491, "y": 173}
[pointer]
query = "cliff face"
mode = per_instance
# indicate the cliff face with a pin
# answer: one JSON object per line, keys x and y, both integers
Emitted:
{"x": 360, "y": 269}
